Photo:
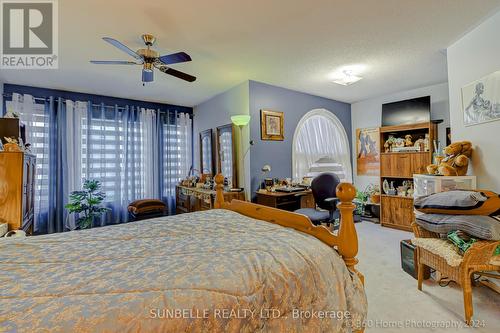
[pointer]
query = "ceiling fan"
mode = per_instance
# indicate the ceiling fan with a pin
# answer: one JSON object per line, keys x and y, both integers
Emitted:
{"x": 149, "y": 59}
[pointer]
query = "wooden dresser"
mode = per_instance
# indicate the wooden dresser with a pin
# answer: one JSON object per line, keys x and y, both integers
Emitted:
{"x": 192, "y": 199}
{"x": 17, "y": 190}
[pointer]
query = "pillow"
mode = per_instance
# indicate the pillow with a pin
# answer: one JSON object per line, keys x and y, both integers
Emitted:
{"x": 460, "y": 202}
{"x": 484, "y": 227}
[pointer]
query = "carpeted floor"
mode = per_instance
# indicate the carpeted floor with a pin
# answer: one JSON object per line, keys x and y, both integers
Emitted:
{"x": 395, "y": 304}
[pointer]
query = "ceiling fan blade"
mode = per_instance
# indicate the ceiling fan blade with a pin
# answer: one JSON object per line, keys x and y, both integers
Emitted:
{"x": 147, "y": 76}
{"x": 113, "y": 62}
{"x": 175, "y": 58}
{"x": 177, "y": 74}
{"x": 124, "y": 48}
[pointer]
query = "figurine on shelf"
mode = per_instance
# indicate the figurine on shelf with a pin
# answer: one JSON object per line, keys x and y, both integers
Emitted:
{"x": 407, "y": 188}
{"x": 401, "y": 191}
{"x": 392, "y": 190}
{"x": 408, "y": 140}
{"x": 420, "y": 143}
{"x": 426, "y": 142}
{"x": 11, "y": 145}
{"x": 385, "y": 186}
{"x": 399, "y": 143}
{"x": 389, "y": 143}
{"x": 387, "y": 147}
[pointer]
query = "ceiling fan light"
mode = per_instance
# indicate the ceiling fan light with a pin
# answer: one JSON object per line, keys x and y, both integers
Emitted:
{"x": 147, "y": 76}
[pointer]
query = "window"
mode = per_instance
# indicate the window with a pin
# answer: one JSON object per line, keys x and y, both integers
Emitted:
{"x": 320, "y": 144}
{"x": 135, "y": 153}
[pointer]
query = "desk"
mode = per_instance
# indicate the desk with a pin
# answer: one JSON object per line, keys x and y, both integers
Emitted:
{"x": 286, "y": 201}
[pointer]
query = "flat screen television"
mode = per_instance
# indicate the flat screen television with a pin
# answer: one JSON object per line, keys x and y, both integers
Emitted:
{"x": 410, "y": 111}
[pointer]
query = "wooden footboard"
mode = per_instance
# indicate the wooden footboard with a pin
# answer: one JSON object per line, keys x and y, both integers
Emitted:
{"x": 346, "y": 241}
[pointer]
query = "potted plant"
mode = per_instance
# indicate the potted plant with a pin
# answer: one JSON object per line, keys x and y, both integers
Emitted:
{"x": 361, "y": 200}
{"x": 370, "y": 194}
{"x": 87, "y": 203}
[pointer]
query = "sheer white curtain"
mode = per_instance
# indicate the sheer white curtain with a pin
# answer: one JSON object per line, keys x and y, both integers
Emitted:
{"x": 150, "y": 157}
{"x": 36, "y": 119}
{"x": 185, "y": 136}
{"x": 320, "y": 144}
{"x": 177, "y": 153}
{"x": 25, "y": 107}
{"x": 76, "y": 115}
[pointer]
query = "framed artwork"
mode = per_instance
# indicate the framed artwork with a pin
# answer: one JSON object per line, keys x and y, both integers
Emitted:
{"x": 272, "y": 125}
{"x": 368, "y": 151}
{"x": 481, "y": 100}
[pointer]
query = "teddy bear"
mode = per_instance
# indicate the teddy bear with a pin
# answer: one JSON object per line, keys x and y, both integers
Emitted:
{"x": 456, "y": 161}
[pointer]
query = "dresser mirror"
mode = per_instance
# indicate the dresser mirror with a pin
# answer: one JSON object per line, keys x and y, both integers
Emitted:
{"x": 206, "y": 153}
{"x": 226, "y": 154}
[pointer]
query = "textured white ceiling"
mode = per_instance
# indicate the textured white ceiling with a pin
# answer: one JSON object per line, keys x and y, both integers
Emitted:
{"x": 293, "y": 44}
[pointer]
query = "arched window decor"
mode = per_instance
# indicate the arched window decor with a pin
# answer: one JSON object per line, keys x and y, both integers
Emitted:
{"x": 320, "y": 144}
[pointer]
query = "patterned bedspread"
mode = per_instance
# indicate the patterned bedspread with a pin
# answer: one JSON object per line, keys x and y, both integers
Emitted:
{"x": 212, "y": 271}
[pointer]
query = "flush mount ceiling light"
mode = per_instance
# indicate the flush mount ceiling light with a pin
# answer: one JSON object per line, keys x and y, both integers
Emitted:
{"x": 347, "y": 78}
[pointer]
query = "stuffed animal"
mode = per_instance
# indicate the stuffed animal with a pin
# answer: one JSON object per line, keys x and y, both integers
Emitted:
{"x": 456, "y": 161}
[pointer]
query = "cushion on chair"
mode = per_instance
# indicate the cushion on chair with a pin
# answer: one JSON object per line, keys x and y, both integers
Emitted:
{"x": 460, "y": 202}
{"x": 441, "y": 248}
{"x": 146, "y": 206}
{"x": 316, "y": 216}
{"x": 446, "y": 250}
{"x": 484, "y": 227}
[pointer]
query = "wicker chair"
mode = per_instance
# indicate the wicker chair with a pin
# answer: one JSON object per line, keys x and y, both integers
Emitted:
{"x": 476, "y": 259}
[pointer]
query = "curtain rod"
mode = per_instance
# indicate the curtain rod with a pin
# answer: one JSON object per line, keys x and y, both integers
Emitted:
{"x": 97, "y": 105}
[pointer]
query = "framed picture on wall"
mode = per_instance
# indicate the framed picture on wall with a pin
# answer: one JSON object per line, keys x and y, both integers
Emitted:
{"x": 481, "y": 100}
{"x": 272, "y": 125}
{"x": 368, "y": 151}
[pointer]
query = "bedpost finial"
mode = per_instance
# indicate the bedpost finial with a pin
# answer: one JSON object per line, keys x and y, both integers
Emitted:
{"x": 219, "y": 194}
{"x": 219, "y": 179}
{"x": 346, "y": 192}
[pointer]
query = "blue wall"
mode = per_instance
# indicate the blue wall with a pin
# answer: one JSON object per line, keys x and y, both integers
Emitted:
{"x": 294, "y": 104}
{"x": 217, "y": 111}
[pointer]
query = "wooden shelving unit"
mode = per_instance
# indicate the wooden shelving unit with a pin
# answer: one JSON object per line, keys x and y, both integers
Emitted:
{"x": 397, "y": 211}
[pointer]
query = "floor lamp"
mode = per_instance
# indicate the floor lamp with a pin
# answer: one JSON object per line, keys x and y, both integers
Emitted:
{"x": 241, "y": 121}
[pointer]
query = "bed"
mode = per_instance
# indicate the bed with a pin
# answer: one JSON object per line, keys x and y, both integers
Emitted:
{"x": 239, "y": 268}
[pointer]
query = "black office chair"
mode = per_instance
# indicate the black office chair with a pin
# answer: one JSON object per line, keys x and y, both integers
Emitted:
{"x": 324, "y": 188}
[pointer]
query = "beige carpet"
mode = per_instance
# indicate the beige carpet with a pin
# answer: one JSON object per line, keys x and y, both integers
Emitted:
{"x": 395, "y": 304}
